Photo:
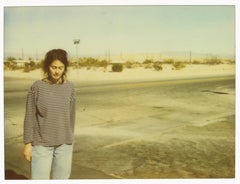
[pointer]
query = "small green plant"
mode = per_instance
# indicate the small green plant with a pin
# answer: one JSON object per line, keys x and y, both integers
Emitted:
{"x": 117, "y": 67}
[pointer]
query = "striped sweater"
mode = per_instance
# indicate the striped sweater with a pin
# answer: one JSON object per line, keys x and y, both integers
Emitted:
{"x": 50, "y": 114}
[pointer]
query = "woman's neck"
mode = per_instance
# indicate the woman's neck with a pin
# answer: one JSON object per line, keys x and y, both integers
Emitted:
{"x": 50, "y": 80}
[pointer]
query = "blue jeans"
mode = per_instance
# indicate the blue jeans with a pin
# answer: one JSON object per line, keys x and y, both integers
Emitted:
{"x": 58, "y": 159}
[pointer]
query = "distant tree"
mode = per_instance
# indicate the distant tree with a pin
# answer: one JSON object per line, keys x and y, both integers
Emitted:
{"x": 11, "y": 58}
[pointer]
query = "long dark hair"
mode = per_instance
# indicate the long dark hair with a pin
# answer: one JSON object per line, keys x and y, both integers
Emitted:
{"x": 52, "y": 55}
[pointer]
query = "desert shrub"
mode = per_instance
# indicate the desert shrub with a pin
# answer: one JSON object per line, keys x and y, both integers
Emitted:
{"x": 230, "y": 61}
{"x": 131, "y": 64}
{"x": 148, "y": 66}
{"x": 196, "y": 62}
{"x": 128, "y": 64}
{"x": 117, "y": 67}
{"x": 157, "y": 66}
{"x": 32, "y": 64}
{"x": 102, "y": 63}
{"x": 147, "y": 61}
{"x": 10, "y": 65}
{"x": 178, "y": 65}
{"x": 168, "y": 61}
{"x": 74, "y": 64}
{"x": 213, "y": 61}
{"x": 11, "y": 58}
{"x": 90, "y": 62}
{"x": 27, "y": 67}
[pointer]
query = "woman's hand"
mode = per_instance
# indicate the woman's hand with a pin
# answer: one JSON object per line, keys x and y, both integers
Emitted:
{"x": 27, "y": 152}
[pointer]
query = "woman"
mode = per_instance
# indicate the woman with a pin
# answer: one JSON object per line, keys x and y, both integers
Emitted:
{"x": 49, "y": 120}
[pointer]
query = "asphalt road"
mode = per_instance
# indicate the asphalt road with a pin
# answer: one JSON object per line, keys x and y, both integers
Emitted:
{"x": 127, "y": 129}
{"x": 150, "y": 129}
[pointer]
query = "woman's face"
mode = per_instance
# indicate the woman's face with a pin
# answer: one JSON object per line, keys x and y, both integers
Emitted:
{"x": 56, "y": 70}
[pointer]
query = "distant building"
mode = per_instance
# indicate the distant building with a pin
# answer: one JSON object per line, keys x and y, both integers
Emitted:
{"x": 21, "y": 63}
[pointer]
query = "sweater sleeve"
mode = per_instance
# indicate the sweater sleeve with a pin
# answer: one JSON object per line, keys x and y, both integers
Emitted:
{"x": 30, "y": 116}
{"x": 73, "y": 109}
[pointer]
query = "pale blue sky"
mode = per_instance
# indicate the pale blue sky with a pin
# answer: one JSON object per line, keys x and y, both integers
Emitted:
{"x": 122, "y": 29}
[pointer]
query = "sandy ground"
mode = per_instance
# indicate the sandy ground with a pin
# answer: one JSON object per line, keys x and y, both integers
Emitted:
{"x": 139, "y": 123}
{"x": 99, "y": 74}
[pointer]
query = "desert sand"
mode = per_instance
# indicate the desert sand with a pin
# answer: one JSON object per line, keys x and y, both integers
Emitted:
{"x": 139, "y": 123}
